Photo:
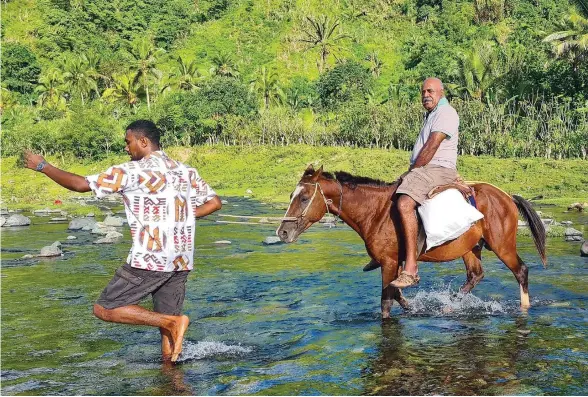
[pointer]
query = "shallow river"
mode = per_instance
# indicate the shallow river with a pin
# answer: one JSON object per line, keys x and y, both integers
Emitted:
{"x": 293, "y": 319}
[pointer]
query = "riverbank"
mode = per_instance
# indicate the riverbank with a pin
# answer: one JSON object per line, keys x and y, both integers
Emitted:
{"x": 270, "y": 173}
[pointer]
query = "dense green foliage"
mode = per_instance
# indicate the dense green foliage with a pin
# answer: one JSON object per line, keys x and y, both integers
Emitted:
{"x": 244, "y": 72}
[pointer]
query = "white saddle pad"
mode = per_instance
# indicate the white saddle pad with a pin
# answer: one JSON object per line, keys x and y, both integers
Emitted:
{"x": 446, "y": 217}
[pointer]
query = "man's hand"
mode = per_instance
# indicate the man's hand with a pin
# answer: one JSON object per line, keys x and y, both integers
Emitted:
{"x": 32, "y": 160}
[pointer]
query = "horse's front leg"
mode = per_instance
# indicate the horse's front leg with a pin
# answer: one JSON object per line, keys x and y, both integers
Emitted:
{"x": 390, "y": 293}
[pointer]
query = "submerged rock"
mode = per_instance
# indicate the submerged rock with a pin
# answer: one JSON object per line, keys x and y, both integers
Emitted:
{"x": 112, "y": 237}
{"x": 222, "y": 242}
{"x": 82, "y": 224}
{"x": 71, "y": 237}
{"x": 113, "y": 221}
{"x": 584, "y": 249}
{"x": 17, "y": 220}
{"x": 270, "y": 240}
{"x": 573, "y": 234}
{"x": 51, "y": 250}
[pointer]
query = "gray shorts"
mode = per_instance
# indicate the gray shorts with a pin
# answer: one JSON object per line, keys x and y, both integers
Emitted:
{"x": 131, "y": 285}
{"x": 419, "y": 181}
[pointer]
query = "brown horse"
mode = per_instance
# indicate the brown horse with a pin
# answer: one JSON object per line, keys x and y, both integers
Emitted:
{"x": 367, "y": 206}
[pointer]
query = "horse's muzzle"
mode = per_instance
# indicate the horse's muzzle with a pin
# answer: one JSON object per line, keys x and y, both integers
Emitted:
{"x": 288, "y": 232}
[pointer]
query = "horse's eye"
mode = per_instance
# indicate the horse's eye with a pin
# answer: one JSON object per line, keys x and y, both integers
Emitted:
{"x": 304, "y": 199}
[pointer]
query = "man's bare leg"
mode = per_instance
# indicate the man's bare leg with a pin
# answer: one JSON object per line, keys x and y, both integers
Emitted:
{"x": 406, "y": 207}
{"x": 166, "y": 345}
{"x": 137, "y": 315}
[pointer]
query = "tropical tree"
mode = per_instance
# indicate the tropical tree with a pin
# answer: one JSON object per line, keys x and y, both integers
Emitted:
{"x": 79, "y": 77}
{"x": 145, "y": 55}
{"x": 267, "y": 86}
{"x": 126, "y": 90}
{"x": 320, "y": 33}
{"x": 50, "y": 90}
{"x": 186, "y": 75}
{"x": 478, "y": 71}
{"x": 224, "y": 65}
{"x": 572, "y": 41}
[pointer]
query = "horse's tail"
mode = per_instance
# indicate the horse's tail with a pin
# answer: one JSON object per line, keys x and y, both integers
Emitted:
{"x": 535, "y": 224}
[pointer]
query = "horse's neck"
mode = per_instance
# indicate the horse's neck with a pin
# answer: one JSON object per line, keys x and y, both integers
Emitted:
{"x": 364, "y": 206}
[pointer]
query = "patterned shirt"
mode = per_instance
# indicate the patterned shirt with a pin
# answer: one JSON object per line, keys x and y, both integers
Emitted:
{"x": 160, "y": 197}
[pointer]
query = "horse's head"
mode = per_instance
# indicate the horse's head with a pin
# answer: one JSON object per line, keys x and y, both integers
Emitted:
{"x": 308, "y": 205}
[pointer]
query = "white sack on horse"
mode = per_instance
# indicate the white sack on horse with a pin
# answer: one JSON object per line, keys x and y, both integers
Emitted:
{"x": 446, "y": 217}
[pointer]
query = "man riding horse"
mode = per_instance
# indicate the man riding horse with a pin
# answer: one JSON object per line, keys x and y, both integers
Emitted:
{"x": 433, "y": 163}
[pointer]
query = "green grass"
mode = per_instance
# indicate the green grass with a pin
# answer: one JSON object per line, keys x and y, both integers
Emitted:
{"x": 272, "y": 172}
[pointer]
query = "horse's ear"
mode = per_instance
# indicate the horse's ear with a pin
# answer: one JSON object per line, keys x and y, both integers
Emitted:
{"x": 317, "y": 174}
{"x": 309, "y": 171}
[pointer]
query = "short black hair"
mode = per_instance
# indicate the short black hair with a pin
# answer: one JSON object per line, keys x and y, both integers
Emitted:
{"x": 146, "y": 128}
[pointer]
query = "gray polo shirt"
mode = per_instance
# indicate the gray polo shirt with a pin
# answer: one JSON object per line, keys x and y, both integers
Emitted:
{"x": 443, "y": 119}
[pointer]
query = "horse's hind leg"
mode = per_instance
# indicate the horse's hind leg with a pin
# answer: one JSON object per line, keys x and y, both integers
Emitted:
{"x": 474, "y": 272}
{"x": 520, "y": 271}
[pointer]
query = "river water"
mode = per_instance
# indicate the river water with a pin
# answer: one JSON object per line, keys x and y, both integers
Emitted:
{"x": 298, "y": 319}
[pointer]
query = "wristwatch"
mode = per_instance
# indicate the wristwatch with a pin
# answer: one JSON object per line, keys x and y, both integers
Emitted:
{"x": 41, "y": 165}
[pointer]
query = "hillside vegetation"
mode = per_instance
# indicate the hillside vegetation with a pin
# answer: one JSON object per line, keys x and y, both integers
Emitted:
{"x": 282, "y": 72}
{"x": 272, "y": 173}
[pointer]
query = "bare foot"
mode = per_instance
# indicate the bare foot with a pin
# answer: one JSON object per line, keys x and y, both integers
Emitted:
{"x": 178, "y": 337}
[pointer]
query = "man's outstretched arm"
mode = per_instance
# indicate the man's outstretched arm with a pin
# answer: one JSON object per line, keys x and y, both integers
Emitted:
{"x": 66, "y": 179}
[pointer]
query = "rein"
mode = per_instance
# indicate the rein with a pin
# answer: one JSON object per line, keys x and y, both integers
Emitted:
{"x": 317, "y": 187}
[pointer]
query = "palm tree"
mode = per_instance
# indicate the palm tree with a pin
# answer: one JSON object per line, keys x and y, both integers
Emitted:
{"x": 478, "y": 71}
{"x": 376, "y": 63}
{"x": 187, "y": 75}
{"x": 223, "y": 65}
{"x": 79, "y": 77}
{"x": 266, "y": 85}
{"x": 145, "y": 55}
{"x": 126, "y": 90}
{"x": 572, "y": 41}
{"x": 320, "y": 33}
{"x": 50, "y": 90}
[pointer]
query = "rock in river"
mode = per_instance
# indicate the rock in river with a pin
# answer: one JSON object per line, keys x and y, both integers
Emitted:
{"x": 51, "y": 250}
{"x": 17, "y": 220}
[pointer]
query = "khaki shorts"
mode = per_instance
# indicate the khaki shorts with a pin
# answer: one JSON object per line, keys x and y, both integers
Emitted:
{"x": 419, "y": 181}
{"x": 131, "y": 285}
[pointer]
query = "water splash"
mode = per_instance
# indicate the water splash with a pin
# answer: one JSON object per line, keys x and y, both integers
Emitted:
{"x": 446, "y": 302}
{"x": 203, "y": 349}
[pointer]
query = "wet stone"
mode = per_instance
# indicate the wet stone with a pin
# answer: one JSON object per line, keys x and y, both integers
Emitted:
{"x": 82, "y": 224}
{"x": 71, "y": 237}
{"x": 222, "y": 242}
{"x": 51, "y": 250}
{"x": 113, "y": 221}
{"x": 271, "y": 240}
{"x": 17, "y": 220}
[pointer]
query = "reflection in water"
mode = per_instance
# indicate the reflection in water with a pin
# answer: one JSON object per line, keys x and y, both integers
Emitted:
{"x": 173, "y": 381}
{"x": 466, "y": 360}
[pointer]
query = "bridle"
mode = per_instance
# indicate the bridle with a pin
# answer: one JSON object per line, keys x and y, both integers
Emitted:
{"x": 328, "y": 202}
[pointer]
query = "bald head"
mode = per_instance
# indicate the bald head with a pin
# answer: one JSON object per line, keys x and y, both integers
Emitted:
{"x": 431, "y": 92}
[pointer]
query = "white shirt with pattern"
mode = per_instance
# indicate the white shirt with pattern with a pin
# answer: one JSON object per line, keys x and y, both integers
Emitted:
{"x": 160, "y": 197}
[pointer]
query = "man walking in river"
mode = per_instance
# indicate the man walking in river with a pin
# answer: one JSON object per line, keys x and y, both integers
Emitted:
{"x": 162, "y": 198}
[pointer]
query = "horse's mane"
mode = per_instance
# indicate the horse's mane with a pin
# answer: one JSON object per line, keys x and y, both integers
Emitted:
{"x": 352, "y": 180}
